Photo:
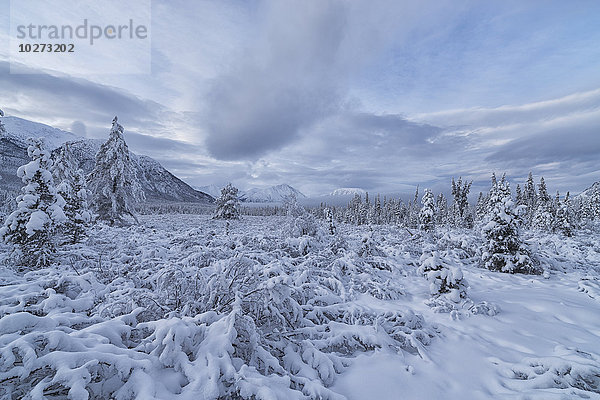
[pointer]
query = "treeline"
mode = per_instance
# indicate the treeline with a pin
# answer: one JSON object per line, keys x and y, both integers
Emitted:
{"x": 534, "y": 208}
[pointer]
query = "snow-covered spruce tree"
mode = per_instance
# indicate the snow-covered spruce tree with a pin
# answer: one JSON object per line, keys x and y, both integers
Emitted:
{"x": 503, "y": 249}
{"x": 481, "y": 207}
{"x": 73, "y": 189}
{"x": 530, "y": 199}
{"x": 413, "y": 211}
{"x": 460, "y": 208}
{"x": 562, "y": 222}
{"x": 443, "y": 278}
{"x": 427, "y": 213}
{"x": 2, "y": 129}
{"x": 39, "y": 209}
{"x": 113, "y": 183}
{"x": 594, "y": 201}
{"x": 228, "y": 204}
{"x": 441, "y": 206}
{"x": 330, "y": 221}
{"x": 543, "y": 217}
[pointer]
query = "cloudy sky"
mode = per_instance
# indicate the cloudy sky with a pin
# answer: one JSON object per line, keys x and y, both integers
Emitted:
{"x": 381, "y": 95}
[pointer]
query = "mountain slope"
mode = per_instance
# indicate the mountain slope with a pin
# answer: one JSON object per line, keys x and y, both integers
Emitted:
{"x": 213, "y": 190}
{"x": 272, "y": 194}
{"x": 589, "y": 191}
{"x": 158, "y": 183}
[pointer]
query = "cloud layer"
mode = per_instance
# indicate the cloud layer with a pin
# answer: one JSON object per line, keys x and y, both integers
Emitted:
{"x": 334, "y": 93}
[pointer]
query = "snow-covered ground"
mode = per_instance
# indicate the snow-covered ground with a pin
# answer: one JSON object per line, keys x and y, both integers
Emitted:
{"x": 186, "y": 307}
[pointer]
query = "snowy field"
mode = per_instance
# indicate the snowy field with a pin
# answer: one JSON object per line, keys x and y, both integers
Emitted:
{"x": 186, "y": 307}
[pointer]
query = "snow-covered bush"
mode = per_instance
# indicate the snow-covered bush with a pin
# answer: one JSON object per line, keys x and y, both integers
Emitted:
{"x": 32, "y": 225}
{"x": 569, "y": 372}
{"x": 503, "y": 249}
{"x": 300, "y": 222}
{"x": 228, "y": 203}
{"x": 444, "y": 279}
{"x": 113, "y": 183}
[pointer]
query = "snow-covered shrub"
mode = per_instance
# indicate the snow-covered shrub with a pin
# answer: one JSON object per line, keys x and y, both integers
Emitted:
{"x": 570, "y": 372}
{"x": 484, "y": 308}
{"x": 301, "y": 223}
{"x": 228, "y": 203}
{"x": 504, "y": 251}
{"x": 371, "y": 253}
{"x": 39, "y": 209}
{"x": 444, "y": 279}
{"x": 144, "y": 317}
{"x": 113, "y": 183}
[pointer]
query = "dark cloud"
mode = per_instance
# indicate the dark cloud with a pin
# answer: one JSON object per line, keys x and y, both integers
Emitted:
{"x": 43, "y": 96}
{"x": 284, "y": 83}
{"x": 565, "y": 144}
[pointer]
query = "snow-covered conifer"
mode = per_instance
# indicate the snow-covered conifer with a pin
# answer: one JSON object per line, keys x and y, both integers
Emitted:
{"x": 503, "y": 249}
{"x": 443, "y": 278}
{"x": 2, "y": 129}
{"x": 72, "y": 187}
{"x": 427, "y": 214}
{"x": 330, "y": 222}
{"x": 519, "y": 199}
{"x": 543, "y": 217}
{"x": 595, "y": 202}
{"x": 481, "y": 207}
{"x": 562, "y": 222}
{"x": 530, "y": 198}
{"x": 441, "y": 205}
{"x": 412, "y": 215}
{"x": 113, "y": 183}
{"x": 39, "y": 209}
{"x": 460, "y": 193}
{"x": 228, "y": 203}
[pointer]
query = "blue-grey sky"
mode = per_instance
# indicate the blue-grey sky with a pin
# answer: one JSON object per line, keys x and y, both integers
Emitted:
{"x": 321, "y": 94}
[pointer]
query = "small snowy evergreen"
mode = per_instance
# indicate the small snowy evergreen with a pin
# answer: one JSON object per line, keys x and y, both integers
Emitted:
{"x": 563, "y": 222}
{"x": 228, "y": 203}
{"x": 113, "y": 183}
{"x": 503, "y": 249}
{"x": 2, "y": 129}
{"x": 72, "y": 187}
{"x": 330, "y": 222}
{"x": 31, "y": 227}
{"x": 427, "y": 213}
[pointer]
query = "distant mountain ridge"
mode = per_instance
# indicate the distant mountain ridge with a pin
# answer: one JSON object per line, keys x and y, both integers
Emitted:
{"x": 348, "y": 192}
{"x": 157, "y": 183}
{"x": 273, "y": 194}
{"x": 588, "y": 192}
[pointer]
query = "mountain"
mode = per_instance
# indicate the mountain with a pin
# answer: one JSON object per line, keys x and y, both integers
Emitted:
{"x": 158, "y": 183}
{"x": 588, "y": 192}
{"x": 273, "y": 194}
{"x": 213, "y": 190}
{"x": 348, "y": 192}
